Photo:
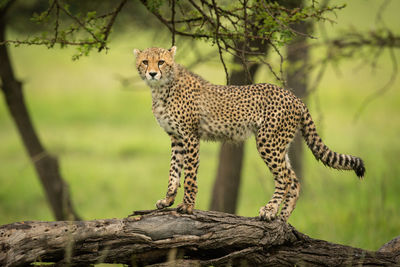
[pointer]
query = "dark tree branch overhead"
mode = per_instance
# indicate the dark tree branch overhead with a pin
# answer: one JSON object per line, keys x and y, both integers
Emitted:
{"x": 107, "y": 28}
{"x": 222, "y": 24}
{"x": 155, "y": 237}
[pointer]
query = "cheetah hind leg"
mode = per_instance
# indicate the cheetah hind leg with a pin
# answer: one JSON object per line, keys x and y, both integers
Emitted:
{"x": 269, "y": 212}
{"x": 274, "y": 156}
{"x": 185, "y": 208}
{"x": 291, "y": 197}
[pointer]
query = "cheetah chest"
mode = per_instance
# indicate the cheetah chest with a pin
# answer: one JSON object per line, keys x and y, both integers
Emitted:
{"x": 165, "y": 117}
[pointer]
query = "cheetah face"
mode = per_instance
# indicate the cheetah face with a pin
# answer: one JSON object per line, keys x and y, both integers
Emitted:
{"x": 155, "y": 65}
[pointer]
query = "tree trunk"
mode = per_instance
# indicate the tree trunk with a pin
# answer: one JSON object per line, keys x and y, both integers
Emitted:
{"x": 226, "y": 186}
{"x": 46, "y": 165}
{"x": 297, "y": 80}
{"x": 227, "y": 181}
{"x": 166, "y": 238}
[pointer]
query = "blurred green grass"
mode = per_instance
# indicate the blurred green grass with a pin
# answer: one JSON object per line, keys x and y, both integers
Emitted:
{"x": 116, "y": 158}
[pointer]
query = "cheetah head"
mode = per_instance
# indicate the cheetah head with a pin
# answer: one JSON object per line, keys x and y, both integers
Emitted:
{"x": 155, "y": 65}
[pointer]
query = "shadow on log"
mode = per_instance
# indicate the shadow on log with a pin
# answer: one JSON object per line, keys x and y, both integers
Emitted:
{"x": 166, "y": 238}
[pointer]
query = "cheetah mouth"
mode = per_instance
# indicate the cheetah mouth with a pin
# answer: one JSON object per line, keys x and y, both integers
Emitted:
{"x": 153, "y": 79}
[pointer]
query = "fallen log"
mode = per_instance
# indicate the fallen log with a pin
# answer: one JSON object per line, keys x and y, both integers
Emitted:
{"x": 167, "y": 238}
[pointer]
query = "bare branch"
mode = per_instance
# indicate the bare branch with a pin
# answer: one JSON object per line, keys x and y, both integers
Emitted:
{"x": 382, "y": 90}
{"x": 382, "y": 38}
{"x": 107, "y": 28}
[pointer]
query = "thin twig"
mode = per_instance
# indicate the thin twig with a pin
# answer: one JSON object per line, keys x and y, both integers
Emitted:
{"x": 312, "y": 88}
{"x": 218, "y": 43}
{"x": 78, "y": 21}
{"x": 379, "y": 15}
{"x": 383, "y": 89}
{"x": 173, "y": 22}
{"x": 203, "y": 14}
{"x": 270, "y": 68}
{"x": 286, "y": 26}
{"x": 48, "y": 42}
{"x": 57, "y": 24}
{"x": 282, "y": 77}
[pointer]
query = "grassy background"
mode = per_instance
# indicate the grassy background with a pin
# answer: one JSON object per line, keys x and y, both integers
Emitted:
{"x": 116, "y": 158}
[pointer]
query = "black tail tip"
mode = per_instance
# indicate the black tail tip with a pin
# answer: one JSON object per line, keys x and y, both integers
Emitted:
{"x": 360, "y": 169}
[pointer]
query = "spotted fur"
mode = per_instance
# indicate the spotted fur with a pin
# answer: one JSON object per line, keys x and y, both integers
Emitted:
{"x": 190, "y": 108}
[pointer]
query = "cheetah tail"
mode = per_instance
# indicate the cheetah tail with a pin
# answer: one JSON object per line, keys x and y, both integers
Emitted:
{"x": 322, "y": 152}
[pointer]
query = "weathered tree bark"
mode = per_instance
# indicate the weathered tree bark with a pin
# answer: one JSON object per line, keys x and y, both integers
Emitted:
{"x": 391, "y": 246}
{"x": 45, "y": 164}
{"x": 166, "y": 238}
{"x": 227, "y": 182}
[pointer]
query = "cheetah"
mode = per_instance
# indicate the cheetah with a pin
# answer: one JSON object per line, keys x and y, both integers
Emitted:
{"x": 190, "y": 108}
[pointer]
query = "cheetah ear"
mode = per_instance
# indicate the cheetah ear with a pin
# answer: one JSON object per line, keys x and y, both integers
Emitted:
{"x": 136, "y": 52}
{"x": 172, "y": 50}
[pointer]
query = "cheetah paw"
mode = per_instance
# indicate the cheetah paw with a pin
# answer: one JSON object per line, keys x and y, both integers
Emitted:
{"x": 185, "y": 208}
{"x": 284, "y": 216}
{"x": 163, "y": 203}
{"x": 268, "y": 213}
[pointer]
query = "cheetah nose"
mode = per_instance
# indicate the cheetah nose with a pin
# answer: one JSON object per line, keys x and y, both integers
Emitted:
{"x": 153, "y": 74}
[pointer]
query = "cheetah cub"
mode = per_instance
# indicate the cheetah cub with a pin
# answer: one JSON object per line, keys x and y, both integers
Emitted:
{"x": 190, "y": 108}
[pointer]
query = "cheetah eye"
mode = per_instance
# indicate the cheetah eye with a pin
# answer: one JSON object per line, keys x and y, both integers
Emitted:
{"x": 145, "y": 62}
{"x": 161, "y": 62}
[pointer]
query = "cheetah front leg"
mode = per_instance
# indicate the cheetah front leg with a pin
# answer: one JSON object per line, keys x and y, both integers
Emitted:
{"x": 177, "y": 155}
{"x": 191, "y": 162}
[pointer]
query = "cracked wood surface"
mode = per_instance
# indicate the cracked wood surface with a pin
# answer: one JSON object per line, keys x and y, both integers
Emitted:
{"x": 166, "y": 238}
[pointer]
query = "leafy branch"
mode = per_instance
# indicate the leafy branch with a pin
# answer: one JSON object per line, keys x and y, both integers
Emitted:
{"x": 86, "y": 31}
{"x": 231, "y": 23}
